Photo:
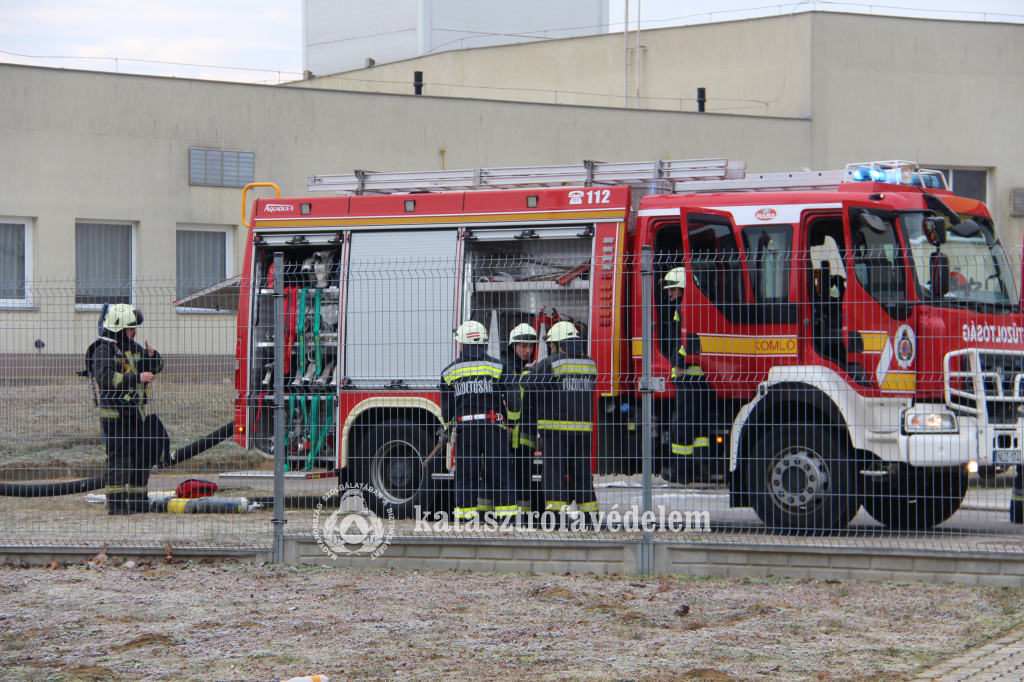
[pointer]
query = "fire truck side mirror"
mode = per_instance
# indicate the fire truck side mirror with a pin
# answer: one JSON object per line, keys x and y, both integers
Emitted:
{"x": 935, "y": 230}
{"x": 940, "y": 275}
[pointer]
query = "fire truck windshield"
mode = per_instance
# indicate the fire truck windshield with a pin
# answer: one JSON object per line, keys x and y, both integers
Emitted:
{"x": 979, "y": 275}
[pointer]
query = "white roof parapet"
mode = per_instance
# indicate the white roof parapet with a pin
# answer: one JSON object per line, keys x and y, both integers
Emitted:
{"x": 589, "y": 173}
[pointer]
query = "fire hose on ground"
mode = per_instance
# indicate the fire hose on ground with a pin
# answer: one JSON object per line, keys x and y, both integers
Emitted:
{"x": 84, "y": 485}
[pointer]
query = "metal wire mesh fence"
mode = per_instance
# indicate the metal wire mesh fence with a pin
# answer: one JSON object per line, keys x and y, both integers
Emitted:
{"x": 849, "y": 389}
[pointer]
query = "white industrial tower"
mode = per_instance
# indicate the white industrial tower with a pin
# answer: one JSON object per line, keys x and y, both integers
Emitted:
{"x": 341, "y": 35}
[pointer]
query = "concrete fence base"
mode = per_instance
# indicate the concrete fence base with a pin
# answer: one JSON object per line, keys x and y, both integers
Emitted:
{"x": 606, "y": 557}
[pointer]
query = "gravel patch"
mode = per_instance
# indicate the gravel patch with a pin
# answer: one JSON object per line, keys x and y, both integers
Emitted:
{"x": 185, "y": 621}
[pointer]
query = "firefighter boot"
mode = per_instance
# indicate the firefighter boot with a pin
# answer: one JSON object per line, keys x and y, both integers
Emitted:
{"x": 683, "y": 470}
{"x": 138, "y": 501}
{"x": 1017, "y": 498}
{"x": 117, "y": 505}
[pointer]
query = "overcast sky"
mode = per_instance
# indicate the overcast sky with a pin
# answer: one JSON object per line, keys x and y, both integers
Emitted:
{"x": 267, "y": 34}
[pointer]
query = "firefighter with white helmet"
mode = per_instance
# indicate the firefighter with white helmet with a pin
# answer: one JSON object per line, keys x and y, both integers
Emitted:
{"x": 522, "y": 426}
{"x": 691, "y": 444}
{"x": 471, "y": 404}
{"x": 561, "y": 388}
{"x": 122, "y": 371}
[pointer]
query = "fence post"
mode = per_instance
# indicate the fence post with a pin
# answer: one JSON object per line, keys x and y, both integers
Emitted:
{"x": 279, "y": 425}
{"x": 645, "y": 560}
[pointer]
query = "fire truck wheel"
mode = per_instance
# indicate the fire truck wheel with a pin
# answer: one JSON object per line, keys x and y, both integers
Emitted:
{"x": 390, "y": 459}
{"x": 802, "y": 480}
{"x": 919, "y": 499}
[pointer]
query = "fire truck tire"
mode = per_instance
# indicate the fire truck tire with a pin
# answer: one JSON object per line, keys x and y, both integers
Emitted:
{"x": 924, "y": 497}
{"x": 389, "y": 458}
{"x": 803, "y": 480}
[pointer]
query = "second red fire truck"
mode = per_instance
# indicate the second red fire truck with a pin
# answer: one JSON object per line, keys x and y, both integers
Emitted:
{"x": 860, "y": 329}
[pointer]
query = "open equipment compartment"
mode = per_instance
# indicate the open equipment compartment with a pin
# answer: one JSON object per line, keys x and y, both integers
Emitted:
{"x": 539, "y": 276}
{"x": 312, "y": 286}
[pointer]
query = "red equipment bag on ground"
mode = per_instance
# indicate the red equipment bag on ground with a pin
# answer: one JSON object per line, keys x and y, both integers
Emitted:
{"x": 194, "y": 487}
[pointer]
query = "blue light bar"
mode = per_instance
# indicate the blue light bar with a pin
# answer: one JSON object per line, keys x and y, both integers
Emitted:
{"x": 889, "y": 175}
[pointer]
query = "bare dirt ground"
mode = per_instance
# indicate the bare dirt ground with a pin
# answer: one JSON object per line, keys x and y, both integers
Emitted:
{"x": 184, "y": 621}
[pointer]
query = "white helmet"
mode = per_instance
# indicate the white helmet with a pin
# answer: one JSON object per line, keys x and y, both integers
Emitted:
{"x": 471, "y": 332}
{"x": 120, "y": 316}
{"x": 523, "y": 333}
{"x": 675, "y": 279}
{"x": 561, "y": 332}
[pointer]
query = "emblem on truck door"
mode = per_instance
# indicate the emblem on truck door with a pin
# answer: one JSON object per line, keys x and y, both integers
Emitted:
{"x": 906, "y": 346}
{"x": 765, "y": 214}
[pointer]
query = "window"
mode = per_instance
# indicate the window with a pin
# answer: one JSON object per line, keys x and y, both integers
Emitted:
{"x": 876, "y": 261}
{"x": 715, "y": 261}
{"x": 768, "y": 257}
{"x": 15, "y": 262}
{"x": 104, "y": 266}
{"x": 668, "y": 254}
{"x": 203, "y": 256}
{"x": 216, "y": 168}
{"x": 972, "y": 184}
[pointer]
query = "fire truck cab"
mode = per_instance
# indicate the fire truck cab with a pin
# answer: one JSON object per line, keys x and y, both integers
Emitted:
{"x": 860, "y": 329}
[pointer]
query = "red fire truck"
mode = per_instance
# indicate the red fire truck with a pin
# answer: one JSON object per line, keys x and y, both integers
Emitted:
{"x": 860, "y": 329}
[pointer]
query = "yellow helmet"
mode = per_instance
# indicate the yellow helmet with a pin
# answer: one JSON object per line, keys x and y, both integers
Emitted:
{"x": 561, "y": 332}
{"x": 523, "y": 333}
{"x": 121, "y": 316}
{"x": 471, "y": 332}
{"x": 675, "y": 279}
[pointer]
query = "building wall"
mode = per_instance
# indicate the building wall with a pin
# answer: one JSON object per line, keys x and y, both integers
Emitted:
{"x": 758, "y": 66}
{"x": 339, "y": 35}
{"x": 89, "y": 145}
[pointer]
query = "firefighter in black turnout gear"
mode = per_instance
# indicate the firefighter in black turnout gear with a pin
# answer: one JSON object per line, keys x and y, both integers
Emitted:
{"x": 522, "y": 423}
{"x": 691, "y": 443}
{"x": 471, "y": 397}
{"x": 122, "y": 370}
{"x": 561, "y": 388}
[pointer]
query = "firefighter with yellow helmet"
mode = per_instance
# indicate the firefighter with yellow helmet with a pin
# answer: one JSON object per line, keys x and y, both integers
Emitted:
{"x": 561, "y": 388}
{"x": 522, "y": 424}
{"x": 123, "y": 370}
{"x": 691, "y": 444}
{"x": 471, "y": 405}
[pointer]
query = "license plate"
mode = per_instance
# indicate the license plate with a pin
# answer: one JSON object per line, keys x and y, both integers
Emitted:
{"x": 1006, "y": 457}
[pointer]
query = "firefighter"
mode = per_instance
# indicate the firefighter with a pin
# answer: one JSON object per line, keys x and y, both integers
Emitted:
{"x": 123, "y": 370}
{"x": 522, "y": 424}
{"x": 691, "y": 444}
{"x": 471, "y": 393}
{"x": 561, "y": 388}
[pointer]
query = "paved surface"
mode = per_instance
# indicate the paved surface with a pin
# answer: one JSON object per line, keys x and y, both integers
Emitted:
{"x": 1000, "y": 661}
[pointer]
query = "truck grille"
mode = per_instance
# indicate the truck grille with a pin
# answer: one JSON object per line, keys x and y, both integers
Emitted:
{"x": 986, "y": 376}
{"x": 1006, "y": 367}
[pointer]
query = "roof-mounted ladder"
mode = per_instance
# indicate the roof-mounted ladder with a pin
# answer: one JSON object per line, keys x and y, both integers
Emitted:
{"x": 681, "y": 177}
{"x": 589, "y": 173}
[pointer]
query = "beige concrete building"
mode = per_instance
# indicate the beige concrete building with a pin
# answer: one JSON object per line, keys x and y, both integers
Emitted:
{"x": 140, "y": 176}
{"x": 99, "y": 170}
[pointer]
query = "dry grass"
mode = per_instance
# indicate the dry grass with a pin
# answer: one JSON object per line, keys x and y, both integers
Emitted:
{"x": 232, "y": 622}
{"x": 53, "y": 425}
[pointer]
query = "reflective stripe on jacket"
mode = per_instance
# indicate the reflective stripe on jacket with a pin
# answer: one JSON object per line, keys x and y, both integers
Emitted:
{"x": 116, "y": 371}
{"x": 473, "y": 384}
{"x": 560, "y": 388}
